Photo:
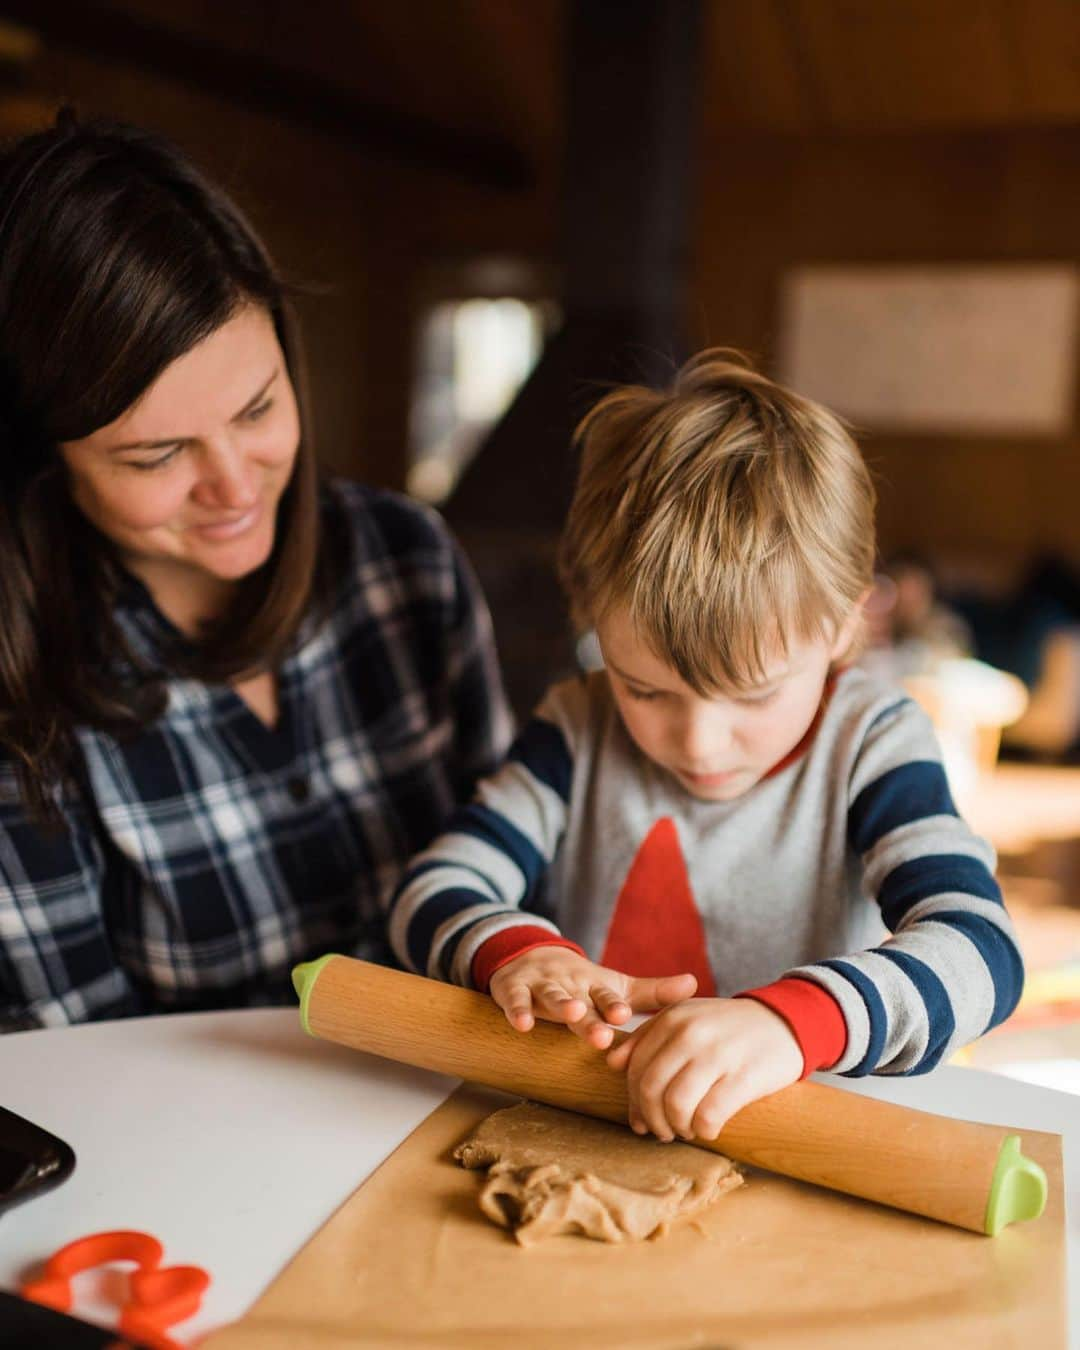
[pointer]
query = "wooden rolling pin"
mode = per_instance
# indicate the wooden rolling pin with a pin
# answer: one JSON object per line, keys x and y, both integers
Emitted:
{"x": 970, "y": 1175}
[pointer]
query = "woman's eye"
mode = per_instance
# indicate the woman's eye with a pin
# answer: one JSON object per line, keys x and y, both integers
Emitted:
{"x": 254, "y": 414}
{"x": 145, "y": 464}
{"x": 642, "y": 695}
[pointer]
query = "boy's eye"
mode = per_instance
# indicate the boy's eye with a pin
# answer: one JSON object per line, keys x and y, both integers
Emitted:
{"x": 643, "y": 695}
{"x": 758, "y": 700}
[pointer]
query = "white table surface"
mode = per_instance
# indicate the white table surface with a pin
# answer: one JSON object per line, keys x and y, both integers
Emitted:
{"x": 233, "y": 1136}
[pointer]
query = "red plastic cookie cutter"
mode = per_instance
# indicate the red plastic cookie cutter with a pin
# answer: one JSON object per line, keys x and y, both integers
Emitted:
{"x": 158, "y": 1296}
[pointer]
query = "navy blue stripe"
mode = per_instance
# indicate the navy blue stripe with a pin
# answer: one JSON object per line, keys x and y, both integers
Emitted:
{"x": 542, "y": 748}
{"x": 450, "y": 946}
{"x": 934, "y": 874}
{"x": 938, "y": 1008}
{"x": 1002, "y": 958}
{"x": 907, "y": 793}
{"x": 449, "y": 950}
{"x": 875, "y": 1011}
{"x": 439, "y": 865}
{"x": 481, "y": 822}
{"x": 432, "y": 913}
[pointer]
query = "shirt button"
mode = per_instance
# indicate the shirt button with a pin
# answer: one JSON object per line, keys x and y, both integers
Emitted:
{"x": 299, "y": 789}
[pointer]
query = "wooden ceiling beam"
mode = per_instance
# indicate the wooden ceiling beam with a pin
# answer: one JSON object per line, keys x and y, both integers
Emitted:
{"x": 273, "y": 89}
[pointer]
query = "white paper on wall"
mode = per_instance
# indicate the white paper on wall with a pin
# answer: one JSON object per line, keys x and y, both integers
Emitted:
{"x": 949, "y": 349}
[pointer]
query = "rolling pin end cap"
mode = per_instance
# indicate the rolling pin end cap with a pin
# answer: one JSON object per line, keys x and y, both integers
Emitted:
{"x": 1018, "y": 1189}
{"x": 304, "y": 977}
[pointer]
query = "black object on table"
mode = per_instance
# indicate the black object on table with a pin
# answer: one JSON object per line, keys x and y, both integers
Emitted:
{"x": 32, "y": 1161}
{"x": 28, "y": 1326}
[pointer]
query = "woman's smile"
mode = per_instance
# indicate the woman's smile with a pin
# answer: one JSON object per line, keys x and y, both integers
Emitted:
{"x": 229, "y": 527}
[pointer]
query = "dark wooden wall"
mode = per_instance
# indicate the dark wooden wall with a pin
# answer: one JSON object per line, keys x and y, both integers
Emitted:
{"x": 769, "y": 202}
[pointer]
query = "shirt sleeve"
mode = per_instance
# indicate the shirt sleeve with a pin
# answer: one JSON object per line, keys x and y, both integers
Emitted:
{"x": 813, "y": 1016}
{"x": 57, "y": 965}
{"x": 467, "y": 889}
{"x": 952, "y": 969}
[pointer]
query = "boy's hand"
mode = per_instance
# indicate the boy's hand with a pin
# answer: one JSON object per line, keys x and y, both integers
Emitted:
{"x": 692, "y": 1067}
{"x": 558, "y": 985}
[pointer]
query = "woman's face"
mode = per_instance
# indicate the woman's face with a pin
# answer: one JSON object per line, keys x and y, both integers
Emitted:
{"x": 187, "y": 481}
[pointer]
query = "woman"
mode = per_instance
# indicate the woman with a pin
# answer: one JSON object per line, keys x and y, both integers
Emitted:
{"x": 233, "y": 701}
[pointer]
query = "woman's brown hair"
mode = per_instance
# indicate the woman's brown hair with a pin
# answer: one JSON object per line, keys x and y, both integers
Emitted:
{"x": 116, "y": 257}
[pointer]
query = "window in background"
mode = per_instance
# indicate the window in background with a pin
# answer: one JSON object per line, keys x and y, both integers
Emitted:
{"x": 474, "y": 355}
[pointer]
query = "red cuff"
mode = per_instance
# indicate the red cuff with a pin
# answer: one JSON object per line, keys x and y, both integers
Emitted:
{"x": 813, "y": 1015}
{"x": 511, "y": 942}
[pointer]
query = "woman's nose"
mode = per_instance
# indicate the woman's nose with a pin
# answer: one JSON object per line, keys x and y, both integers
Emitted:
{"x": 228, "y": 479}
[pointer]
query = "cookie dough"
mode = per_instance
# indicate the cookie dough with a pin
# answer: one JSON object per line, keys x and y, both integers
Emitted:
{"x": 552, "y": 1171}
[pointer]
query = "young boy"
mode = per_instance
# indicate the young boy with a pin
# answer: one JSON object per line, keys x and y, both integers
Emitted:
{"x": 726, "y": 806}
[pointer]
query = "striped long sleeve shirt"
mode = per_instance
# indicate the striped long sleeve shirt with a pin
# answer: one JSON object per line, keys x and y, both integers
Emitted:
{"x": 843, "y": 889}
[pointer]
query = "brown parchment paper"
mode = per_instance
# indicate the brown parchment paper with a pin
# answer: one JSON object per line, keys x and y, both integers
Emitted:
{"x": 410, "y": 1261}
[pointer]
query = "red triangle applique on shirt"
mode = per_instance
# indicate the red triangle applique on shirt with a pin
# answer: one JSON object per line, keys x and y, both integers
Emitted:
{"x": 656, "y": 928}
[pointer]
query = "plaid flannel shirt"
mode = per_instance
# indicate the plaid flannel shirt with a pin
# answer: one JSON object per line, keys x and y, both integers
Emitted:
{"x": 206, "y": 856}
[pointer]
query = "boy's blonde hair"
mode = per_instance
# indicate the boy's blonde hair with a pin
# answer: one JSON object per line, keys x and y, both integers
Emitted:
{"x": 728, "y": 514}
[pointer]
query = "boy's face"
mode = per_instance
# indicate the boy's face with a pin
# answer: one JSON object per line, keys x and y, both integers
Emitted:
{"x": 716, "y": 747}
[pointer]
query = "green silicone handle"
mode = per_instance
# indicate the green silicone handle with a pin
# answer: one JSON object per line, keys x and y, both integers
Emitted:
{"x": 1018, "y": 1188}
{"x": 303, "y": 979}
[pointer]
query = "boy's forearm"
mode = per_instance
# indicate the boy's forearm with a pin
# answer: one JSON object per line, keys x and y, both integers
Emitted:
{"x": 443, "y": 915}
{"x": 467, "y": 888}
{"x": 943, "y": 981}
{"x": 952, "y": 968}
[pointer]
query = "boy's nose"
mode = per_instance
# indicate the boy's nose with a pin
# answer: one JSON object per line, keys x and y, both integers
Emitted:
{"x": 706, "y": 736}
